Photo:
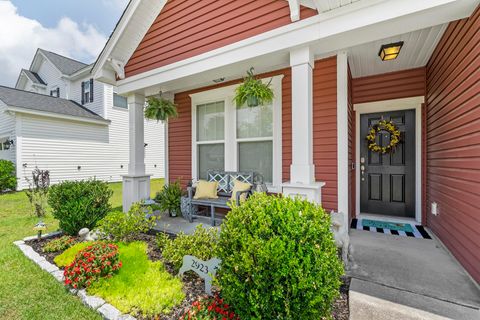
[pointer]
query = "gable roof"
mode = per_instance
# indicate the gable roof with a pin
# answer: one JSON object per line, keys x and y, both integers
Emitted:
{"x": 30, "y": 101}
{"x": 65, "y": 65}
{"x": 33, "y": 76}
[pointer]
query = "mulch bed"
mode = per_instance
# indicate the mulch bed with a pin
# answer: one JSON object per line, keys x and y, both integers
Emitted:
{"x": 193, "y": 286}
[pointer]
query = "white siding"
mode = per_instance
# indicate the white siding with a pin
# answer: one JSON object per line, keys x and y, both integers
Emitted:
{"x": 97, "y": 105}
{"x": 52, "y": 77}
{"x": 61, "y": 146}
{"x": 7, "y": 128}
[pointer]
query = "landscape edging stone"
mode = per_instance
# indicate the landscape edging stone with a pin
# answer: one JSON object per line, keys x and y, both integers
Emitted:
{"x": 108, "y": 311}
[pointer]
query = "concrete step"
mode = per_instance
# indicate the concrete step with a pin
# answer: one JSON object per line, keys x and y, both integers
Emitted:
{"x": 368, "y": 300}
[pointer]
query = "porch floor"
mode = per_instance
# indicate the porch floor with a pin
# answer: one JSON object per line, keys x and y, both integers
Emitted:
{"x": 410, "y": 273}
{"x": 175, "y": 225}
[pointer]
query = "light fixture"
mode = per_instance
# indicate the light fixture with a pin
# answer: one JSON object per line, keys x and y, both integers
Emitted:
{"x": 390, "y": 51}
{"x": 7, "y": 144}
{"x": 219, "y": 80}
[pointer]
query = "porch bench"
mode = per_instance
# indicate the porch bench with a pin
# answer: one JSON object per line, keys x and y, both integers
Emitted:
{"x": 226, "y": 180}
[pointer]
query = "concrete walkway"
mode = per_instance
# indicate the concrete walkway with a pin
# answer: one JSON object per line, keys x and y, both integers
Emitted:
{"x": 408, "y": 278}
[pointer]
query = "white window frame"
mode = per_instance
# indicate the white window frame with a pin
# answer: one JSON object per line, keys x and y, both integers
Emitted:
{"x": 85, "y": 91}
{"x": 113, "y": 102}
{"x": 230, "y": 141}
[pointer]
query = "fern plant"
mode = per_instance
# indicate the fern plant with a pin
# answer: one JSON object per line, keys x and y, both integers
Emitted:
{"x": 160, "y": 109}
{"x": 253, "y": 91}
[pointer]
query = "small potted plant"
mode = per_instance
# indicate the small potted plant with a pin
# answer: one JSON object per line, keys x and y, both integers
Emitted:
{"x": 253, "y": 91}
{"x": 169, "y": 198}
{"x": 160, "y": 109}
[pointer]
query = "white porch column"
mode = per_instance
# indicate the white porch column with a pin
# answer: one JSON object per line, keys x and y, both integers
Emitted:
{"x": 136, "y": 184}
{"x": 342, "y": 134}
{"x": 302, "y": 170}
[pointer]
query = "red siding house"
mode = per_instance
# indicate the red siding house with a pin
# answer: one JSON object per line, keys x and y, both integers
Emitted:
{"x": 332, "y": 84}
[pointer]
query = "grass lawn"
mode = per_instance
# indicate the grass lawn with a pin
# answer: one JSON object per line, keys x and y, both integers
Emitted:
{"x": 26, "y": 291}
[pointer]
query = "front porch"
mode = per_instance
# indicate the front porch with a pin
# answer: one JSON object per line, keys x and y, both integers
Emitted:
{"x": 330, "y": 87}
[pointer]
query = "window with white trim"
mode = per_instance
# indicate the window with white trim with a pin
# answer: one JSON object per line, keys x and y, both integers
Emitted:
{"x": 86, "y": 91}
{"x": 231, "y": 138}
{"x": 210, "y": 137}
{"x": 119, "y": 101}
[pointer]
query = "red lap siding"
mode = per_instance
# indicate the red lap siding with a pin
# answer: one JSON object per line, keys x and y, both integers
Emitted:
{"x": 325, "y": 129}
{"x": 186, "y": 28}
{"x": 180, "y": 130}
{"x": 393, "y": 85}
{"x": 453, "y": 141}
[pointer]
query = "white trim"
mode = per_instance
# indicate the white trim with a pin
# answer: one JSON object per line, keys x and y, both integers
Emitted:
{"x": 294, "y": 10}
{"x": 386, "y": 106}
{"x": 227, "y": 94}
{"x": 357, "y": 23}
{"x": 18, "y": 150}
{"x": 342, "y": 134}
{"x": 56, "y": 115}
{"x": 122, "y": 24}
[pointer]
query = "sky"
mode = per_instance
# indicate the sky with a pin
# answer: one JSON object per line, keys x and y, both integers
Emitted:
{"x": 74, "y": 28}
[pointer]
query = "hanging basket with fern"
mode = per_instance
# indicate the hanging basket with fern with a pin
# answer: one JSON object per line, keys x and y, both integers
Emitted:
{"x": 253, "y": 91}
{"x": 160, "y": 109}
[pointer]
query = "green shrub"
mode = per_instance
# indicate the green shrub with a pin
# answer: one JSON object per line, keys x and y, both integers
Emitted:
{"x": 59, "y": 244}
{"x": 92, "y": 263}
{"x": 67, "y": 256}
{"x": 126, "y": 226}
{"x": 201, "y": 244}
{"x": 141, "y": 286}
{"x": 8, "y": 175}
{"x": 79, "y": 204}
{"x": 279, "y": 260}
{"x": 169, "y": 198}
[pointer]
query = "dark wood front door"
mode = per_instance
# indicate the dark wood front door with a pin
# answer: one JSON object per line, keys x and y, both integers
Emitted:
{"x": 387, "y": 182}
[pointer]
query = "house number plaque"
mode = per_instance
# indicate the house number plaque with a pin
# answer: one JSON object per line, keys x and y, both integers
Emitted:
{"x": 205, "y": 269}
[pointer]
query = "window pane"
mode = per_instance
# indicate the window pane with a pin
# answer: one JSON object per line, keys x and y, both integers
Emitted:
{"x": 211, "y": 121}
{"x": 254, "y": 122}
{"x": 258, "y": 157}
{"x": 119, "y": 101}
{"x": 210, "y": 157}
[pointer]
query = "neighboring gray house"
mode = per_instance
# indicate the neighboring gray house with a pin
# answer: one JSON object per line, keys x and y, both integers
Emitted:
{"x": 58, "y": 118}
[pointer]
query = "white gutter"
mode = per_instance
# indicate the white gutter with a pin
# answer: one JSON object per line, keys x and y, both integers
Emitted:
{"x": 56, "y": 115}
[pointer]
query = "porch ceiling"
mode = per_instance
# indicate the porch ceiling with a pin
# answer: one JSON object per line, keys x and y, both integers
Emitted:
{"x": 416, "y": 51}
{"x": 359, "y": 28}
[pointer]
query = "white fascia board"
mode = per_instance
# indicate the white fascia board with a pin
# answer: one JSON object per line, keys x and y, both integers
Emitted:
{"x": 56, "y": 115}
{"x": 117, "y": 33}
{"x": 108, "y": 51}
{"x": 331, "y": 25}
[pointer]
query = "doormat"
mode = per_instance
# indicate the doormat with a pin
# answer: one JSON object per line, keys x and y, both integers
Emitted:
{"x": 397, "y": 229}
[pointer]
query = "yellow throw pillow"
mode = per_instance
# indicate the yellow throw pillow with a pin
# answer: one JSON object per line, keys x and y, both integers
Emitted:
{"x": 239, "y": 186}
{"x": 206, "y": 190}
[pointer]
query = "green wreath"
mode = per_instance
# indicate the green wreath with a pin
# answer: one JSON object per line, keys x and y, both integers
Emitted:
{"x": 389, "y": 127}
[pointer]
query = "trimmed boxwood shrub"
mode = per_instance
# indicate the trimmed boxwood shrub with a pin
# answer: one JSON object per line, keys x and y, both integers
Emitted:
{"x": 79, "y": 204}
{"x": 8, "y": 176}
{"x": 279, "y": 260}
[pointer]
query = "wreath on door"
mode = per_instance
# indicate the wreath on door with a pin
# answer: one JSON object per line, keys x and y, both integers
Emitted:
{"x": 383, "y": 126}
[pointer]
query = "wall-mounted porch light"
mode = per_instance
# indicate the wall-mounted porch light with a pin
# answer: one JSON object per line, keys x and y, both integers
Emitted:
{"x": 390, "y": 51}
{"x": 7, "y": 144}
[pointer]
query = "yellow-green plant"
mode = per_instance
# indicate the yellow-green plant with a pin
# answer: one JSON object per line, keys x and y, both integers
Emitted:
{"x": 67, "y": 256}
{"x": 141, "y": 287}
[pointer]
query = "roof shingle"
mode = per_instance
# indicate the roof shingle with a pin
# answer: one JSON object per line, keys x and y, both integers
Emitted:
{"x": 40, "y": 102}
{"x": 34, "y": 77}
{"x": 66, "y": 65}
